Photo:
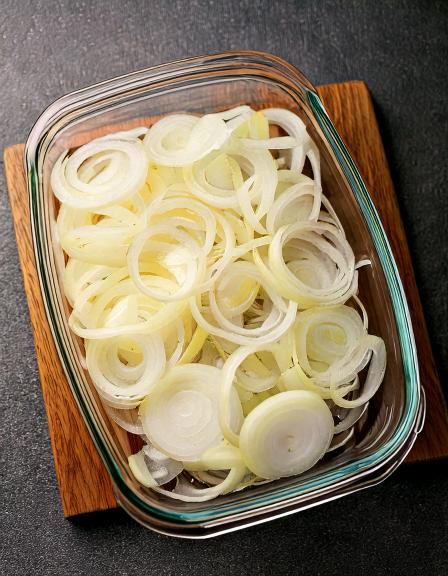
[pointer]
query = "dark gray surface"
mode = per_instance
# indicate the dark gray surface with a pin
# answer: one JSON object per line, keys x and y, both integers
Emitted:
{"x": 400, "y": 49}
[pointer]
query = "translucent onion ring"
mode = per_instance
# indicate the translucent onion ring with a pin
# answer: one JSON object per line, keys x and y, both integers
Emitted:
{"x": 328, "y": 247}
{"x": 206, "y": 255}
{"x": 330, "y": 337}
{"x": 191, "y": 138}
{"x": 229, "y": 372}
{"x": 125, "y": 173}
{"x": 180, "y": 417}
{"x": 123, "y": 385}
{"x": 277, "y": 322}
{"x": 286, "y": 434}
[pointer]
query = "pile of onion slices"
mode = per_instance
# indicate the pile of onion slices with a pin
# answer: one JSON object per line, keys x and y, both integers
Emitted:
{"x": 216, "y": 294}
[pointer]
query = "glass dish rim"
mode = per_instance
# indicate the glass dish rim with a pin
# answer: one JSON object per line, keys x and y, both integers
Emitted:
{"x": 409, "y": 422}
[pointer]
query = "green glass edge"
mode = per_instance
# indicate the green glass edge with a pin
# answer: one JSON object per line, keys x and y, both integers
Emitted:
{"x": 401, "y": 315}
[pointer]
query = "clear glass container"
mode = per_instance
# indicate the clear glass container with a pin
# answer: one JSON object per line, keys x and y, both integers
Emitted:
{"x": 386, "y": 432}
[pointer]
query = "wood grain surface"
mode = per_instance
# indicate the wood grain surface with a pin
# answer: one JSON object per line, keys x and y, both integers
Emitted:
{"x": 83, "y": 481}
{"x": 350, "y": 106}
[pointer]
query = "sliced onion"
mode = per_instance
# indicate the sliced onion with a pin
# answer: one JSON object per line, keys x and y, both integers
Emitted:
{"x": 174, "y": 341}
{"x": 260, "y": 185}
{"x": 126, "y": 418}
{"x": 99, "y": 245}
{"x": 280, "y": 143}
{"x": 351, "y": 417}
{"x": 294, "y": 204}
{"x": 182, "y": 211}
{"x": 153, "y": 468}
{"x": 286, "y": 434}
{"x": 340, "y": 440}
{"x": 131, "y": 134}
{"x": 181, "y": 139}
{"x": 274, "y": 322}
{"x": 229, "y": 371}
{"x": 215, "y": 180}
{"x": 229, "y": 189}
{"x": 220, "y": 457}
{"x": 92, "y": 321}
{"x": 117, "y": 170}
{"x": 199, "y": 245}
{"x": 78, "y": 275}
{"x": 184, "y": 260}
{"x": 370, "y": 349}
{"x": 318, "y": 267}
{"x": 236, "y": 113}
{"x": 180, "y": 417}
{"x": 186, "y": 236}
{"x": 194, "y": 347}
{"x": 120, "y": 381}
{"x": 326, "y": 340}
{"x": 294, "y": 126}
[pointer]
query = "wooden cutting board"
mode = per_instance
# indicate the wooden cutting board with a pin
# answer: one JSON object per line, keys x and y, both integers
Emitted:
{"x": 84, "y": 484}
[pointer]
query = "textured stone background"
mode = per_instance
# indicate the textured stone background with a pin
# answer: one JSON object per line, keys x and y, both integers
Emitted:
{"x": 400, "y": 49}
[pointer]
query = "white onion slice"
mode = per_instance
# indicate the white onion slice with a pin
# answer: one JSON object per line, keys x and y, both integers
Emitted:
{"x": 280, "y": 143}
{"x": 340, "y": 440}
{"x": 102, "y": 237}
{"x": 79, "y": 275}
{"x": 220, "y": 191}
{"x": 229, "y": 371}
{"x": 286, "y": 434}
{"x": 181, "y": 139}
{"x": 121, "y": 383}
{"x": 185, "y": 260}
{"x": 126, "y": 418}
{"x": 209, "y": 278}
{"x": 275, "y": 322}
{"x": 295, "y": 127}
{"x": 261, "y": 185}
{"x": 153, "y": 468}
{"x": 234, "y": 114}
{"x": 293, "y": 205}
{"x": 187, "y": 232}
{"x": 147, "y": 317}
{"x": 123, "y": 172}
{"x": 330, "y": 333}
{"x": 352, "y": 416}
{"x": 319, "y": 267}
{"x": 131, "y": 134}
{"x": 370, "y": 349}
{"x": 217, "y": 458}
{"x": 326, "y": 340}
{"x": 180, "y": 417}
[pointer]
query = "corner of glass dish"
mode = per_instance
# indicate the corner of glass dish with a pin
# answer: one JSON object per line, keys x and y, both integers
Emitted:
{"x": 69, "y": 107}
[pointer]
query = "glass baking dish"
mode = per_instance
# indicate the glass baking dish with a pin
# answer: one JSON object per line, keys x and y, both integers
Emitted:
{"x": 394, "y": 417}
